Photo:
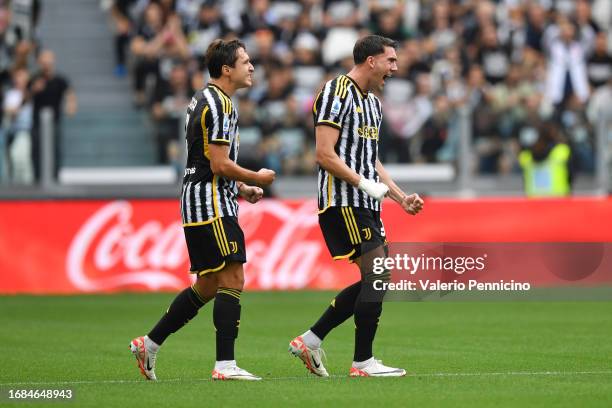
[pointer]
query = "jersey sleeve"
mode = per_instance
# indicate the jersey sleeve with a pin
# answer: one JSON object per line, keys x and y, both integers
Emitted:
{"x": 216, "y": 123}
{"x": 331, "y": 105}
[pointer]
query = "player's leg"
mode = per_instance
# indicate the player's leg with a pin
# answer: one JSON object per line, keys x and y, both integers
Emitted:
{"x": 226, "y": 318}
{"x": 340, "y": 309}
{"x": 183, "y": 308}
{"x": 368, "y": 309}
{"x": 308, "y": 346}
{"x": 342, "y": 237}
{"x": 206, "y": 258}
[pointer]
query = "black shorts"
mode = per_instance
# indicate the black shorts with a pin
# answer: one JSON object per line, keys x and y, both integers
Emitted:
{"x": 212, "y": 246}
{"x": 351, "y": 231}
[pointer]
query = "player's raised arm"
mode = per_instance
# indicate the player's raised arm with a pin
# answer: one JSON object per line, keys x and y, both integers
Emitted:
{"x": 411, "y": 203}
{"x": 223, "y": 166}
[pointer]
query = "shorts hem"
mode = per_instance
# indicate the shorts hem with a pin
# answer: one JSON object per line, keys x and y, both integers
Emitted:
{"x": 211, "y": 270}
{"x": 339, "y": 257}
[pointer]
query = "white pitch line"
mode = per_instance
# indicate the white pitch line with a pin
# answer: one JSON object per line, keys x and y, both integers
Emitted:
{"x": 485, "y": 374}
{"x": 511, "y": 373}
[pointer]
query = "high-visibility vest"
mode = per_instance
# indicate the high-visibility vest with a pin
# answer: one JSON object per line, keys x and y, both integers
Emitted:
{"x": 547, "y": 178}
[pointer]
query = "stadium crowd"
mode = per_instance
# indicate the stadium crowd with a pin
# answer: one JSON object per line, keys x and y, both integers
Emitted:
{"x": 511, "y": 63}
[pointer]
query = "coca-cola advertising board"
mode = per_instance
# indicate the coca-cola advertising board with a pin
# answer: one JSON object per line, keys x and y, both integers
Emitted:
{"x": 138, "y": 245}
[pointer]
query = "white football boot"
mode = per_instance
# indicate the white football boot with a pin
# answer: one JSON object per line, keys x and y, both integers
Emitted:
{"x": 145, "y": 358}
{"x": 310, "y": 357}
{"x": 233, "y": 373}
{"x": 375, "y": 368}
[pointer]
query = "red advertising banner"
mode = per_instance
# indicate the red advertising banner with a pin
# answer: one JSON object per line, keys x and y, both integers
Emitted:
{"x": 138, "y": 245}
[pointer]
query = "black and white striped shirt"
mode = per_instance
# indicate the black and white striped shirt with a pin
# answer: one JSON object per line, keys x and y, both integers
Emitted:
{"x": 342, "y": 105}
{"x": 211, "y": 119}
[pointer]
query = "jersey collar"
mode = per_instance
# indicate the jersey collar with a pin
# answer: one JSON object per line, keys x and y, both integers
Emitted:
{"x": 363, "y": 94}
{"x": 220, "y": 90}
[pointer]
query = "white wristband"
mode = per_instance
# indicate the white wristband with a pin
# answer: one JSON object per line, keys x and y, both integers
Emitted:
{"x": 375, "y": 190}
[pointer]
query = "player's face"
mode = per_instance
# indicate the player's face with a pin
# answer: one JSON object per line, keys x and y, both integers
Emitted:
{"x": 242, "y": 73}
{"x": 385, "y": 65}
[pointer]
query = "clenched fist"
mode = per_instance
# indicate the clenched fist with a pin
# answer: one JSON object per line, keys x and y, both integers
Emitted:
{"x": 265, "y": 177}
{"x": 251, "y": 193}
{"x": 412, "y": 204}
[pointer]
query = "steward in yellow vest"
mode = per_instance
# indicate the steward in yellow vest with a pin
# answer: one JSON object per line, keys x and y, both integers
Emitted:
{"x": 546, "y": 166}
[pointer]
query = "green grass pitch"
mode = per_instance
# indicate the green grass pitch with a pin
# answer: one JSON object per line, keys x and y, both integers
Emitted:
{"x": 474, "y": 354}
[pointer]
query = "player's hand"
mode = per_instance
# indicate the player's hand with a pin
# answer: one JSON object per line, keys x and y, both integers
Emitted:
{"x": 265, "y": 177}
{"x": 375, "y": 190}
{"x": 412, "y": 204}
{"x": 251, "y": 193}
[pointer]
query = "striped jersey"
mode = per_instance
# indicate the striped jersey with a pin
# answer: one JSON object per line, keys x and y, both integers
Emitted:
{"x": 211, "y": 119}
{"x": 343, "y": 105}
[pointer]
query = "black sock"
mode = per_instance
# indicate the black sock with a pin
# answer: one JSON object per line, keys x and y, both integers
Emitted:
{"x": 368, "y": 309}
{"x": 341, "y": 308}
{"x": 226, "y": 317}
{"x": 183, "y": 308}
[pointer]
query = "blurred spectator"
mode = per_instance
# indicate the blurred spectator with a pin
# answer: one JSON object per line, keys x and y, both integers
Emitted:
{"x": 208, "y": 26}
{"x": 9, "y": 39}
{"x": 388, "y": 23}
{"x": 169, "y": 104}
{"x": 567, "y": 76}
{"x": 587, "y": 27}
{"x": 123, "y": 24}
{"x": 405, "y": 119}
{"x": 435, "y": 130}
{"x": 307, "y": 67}
{"x": 17, "y": 111}
{"x": 157, "y": 43}
{"x": 273, "y": 103}
{"x": 255, "y": 17}
{"x": 24, "y": 17}
{"x": 600, "y": 104}
{"x": 509, "y": 102}
{"x": 342, "y": 13}
{"x": 599, "y": 64}
{"x": 49, "y": 90}
{"x": 492, "y": 56}
{"x": 536, "y": 25}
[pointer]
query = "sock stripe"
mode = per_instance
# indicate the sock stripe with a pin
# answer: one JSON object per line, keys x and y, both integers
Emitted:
{"x": 193, "y": 288}
{"x": 236, "y": 291}
{"x": 231, "y": 292}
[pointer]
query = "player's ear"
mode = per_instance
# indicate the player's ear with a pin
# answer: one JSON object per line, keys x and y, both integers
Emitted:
{"x": 226, "y": 69}
{"x": 370, "y": 61}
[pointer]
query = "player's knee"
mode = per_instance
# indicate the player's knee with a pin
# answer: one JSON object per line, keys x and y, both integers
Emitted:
{"x": 371, "y": 277}
{"x": 231, "y": 277}
{"x": 373, "y": 289}
{"x": 206, "y": 286}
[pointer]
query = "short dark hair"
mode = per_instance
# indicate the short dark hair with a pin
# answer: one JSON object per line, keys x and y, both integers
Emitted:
{"x": 220, "y": 53}
{"x": 371, "y": 45}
